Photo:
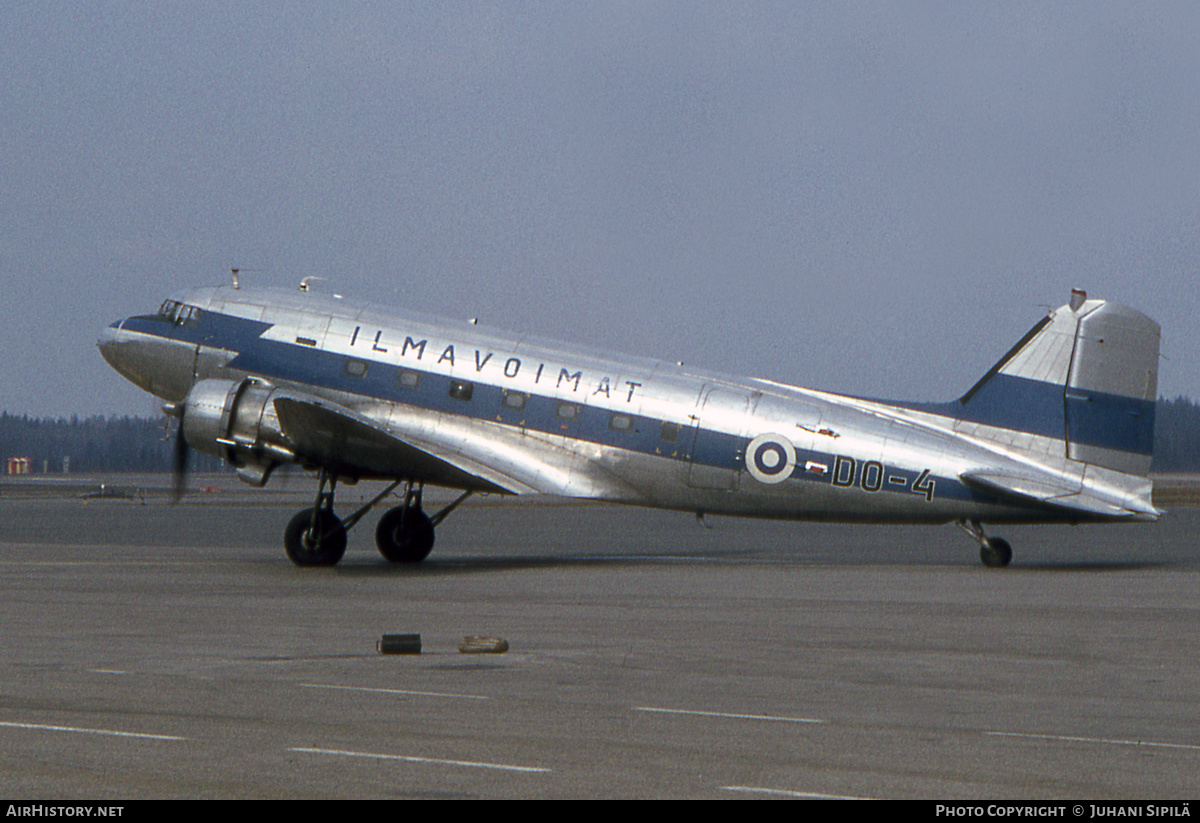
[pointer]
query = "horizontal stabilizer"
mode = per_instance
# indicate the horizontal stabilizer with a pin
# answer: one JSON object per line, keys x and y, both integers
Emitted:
{"x": 1052, "y": 491}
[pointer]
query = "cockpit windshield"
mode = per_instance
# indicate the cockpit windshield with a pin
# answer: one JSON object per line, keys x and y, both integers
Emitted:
{"x": 178, "y": 313}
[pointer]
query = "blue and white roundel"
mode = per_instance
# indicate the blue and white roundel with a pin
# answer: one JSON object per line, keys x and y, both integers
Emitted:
{"x": 770, "y": 458}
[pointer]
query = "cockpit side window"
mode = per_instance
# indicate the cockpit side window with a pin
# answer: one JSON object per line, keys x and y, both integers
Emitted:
{"x": 175, "y": 312}
{"x": 187, "y": 315}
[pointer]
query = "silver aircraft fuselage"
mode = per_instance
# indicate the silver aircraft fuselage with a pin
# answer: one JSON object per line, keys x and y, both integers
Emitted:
{"x": 472, "y": 407}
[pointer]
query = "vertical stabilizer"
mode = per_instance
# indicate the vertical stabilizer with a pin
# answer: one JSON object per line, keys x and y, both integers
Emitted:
{"x": 1087, "y": 375}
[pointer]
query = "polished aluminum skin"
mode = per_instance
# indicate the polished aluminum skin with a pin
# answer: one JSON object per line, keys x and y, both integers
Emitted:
{"x": 1058, "y": 431}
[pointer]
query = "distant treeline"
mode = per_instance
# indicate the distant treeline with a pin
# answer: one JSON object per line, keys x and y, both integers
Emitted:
{"x": 89, "y": 445}
{"x": 139, "y": 444}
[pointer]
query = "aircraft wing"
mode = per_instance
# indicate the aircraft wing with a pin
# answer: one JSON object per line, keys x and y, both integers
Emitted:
{"x": 447, "y": 454}
{"x": 351, "y": 443}
{"x": 1054, "y": 492}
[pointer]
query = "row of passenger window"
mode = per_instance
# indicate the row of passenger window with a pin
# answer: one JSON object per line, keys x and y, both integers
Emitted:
{"x": 463, "y": 390}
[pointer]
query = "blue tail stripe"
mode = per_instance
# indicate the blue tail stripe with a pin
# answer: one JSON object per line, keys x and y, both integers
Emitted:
{"x": 1110, "y": 421}
{"x": 1089, "y": 418}
{"x": 1017, "y": 403}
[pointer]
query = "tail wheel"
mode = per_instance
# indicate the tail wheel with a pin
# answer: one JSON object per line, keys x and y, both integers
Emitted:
{"x": 404, "y": 535}
{"x": 315, "y": 542}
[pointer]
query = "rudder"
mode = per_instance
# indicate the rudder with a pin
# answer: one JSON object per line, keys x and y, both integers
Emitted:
{"x": 1112, "y": 389}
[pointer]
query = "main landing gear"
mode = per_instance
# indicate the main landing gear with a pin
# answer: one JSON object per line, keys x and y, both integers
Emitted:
{"x": 993, "y": 551}
{"x": 317, "y": 536}
{"x": 405, "y": 533}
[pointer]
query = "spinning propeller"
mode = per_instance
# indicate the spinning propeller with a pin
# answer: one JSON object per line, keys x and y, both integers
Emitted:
{"x": 181, "y": 450}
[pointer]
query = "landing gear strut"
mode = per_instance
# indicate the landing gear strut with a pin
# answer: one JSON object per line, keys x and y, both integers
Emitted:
{"x": 993, "y": 551}
{"x": 317, "y": 537}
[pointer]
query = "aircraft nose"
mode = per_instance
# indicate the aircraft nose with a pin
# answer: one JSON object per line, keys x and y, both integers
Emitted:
{"x": 110, "y": 341}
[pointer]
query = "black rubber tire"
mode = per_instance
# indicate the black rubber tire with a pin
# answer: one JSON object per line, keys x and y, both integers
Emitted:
{"x": 404, "y": 536}
{"x": 996, "y": 554}
{"x": 300, "y": 545}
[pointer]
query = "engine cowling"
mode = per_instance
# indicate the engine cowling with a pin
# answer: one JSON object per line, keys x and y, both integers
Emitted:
{"x": 236, "y": 421}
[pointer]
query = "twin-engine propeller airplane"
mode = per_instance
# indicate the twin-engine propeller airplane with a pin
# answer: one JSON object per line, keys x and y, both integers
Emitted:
{"x": 1059, "y": 431}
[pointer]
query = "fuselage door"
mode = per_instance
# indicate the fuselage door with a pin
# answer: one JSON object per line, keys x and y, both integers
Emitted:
{"x": 716, "y": 447}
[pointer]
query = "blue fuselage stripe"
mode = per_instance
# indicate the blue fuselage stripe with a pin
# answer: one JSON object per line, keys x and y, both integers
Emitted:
{"x": 303, "y": 365}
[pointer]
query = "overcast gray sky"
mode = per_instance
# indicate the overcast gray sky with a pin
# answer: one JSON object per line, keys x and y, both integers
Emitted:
{"x": 872, "y": 198}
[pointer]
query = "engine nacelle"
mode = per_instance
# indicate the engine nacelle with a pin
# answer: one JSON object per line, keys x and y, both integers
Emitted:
{"x": 236, "y": 421}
